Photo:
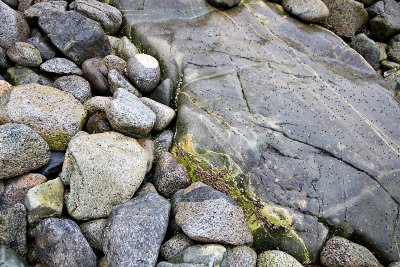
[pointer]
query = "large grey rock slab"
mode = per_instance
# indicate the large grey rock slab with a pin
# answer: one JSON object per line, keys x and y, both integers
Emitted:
{"x": 56, "y": 115}
{"x": 283, "y": 116}
{"x": 76, "y": 36}
{"x": 102, "y": 170}
{"x": 60, "y": 243}
{"x": 13, "y": 27}
{"x": 21, "y": 150}
{"x": 135, "y": 231}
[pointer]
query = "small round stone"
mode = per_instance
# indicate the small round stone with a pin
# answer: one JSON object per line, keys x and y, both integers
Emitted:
{"x": 24, "y": 54}
{"x": 116, "y": 63}
{"x": 98, "y": 123}
{"x": 223, "y": 3}
{"x": 75, "y": 85}
{"x": 276, "y": 258}
{"x": 308, "y": 10}
{"x": 61, "y": 66}
{"x": 144, "y": 72}
{"x": 241, "y": 256}
{"x": 175, "y": 245}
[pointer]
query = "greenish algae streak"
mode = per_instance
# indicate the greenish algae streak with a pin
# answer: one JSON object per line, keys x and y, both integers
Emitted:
{"x": 266, "y": 222}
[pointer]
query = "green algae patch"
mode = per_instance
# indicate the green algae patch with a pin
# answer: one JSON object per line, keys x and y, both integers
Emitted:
{"x": 57, "y": 141}
{"x": 271, "y": 225}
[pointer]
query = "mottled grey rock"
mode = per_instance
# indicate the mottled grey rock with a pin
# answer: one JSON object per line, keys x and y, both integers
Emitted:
{"x": 54, "y": 114}
{"x": 97, "y": 104}
{"x": 207, "y": 215}
{"x": 42, "y": 8}
{"x": 13, "y": 228}
{"x": 128, "y": 115}
{"x": 95, "y": 71}
{"x": 338, "y": 251}
{"x": 44, "y": 201}
{"x": 24, "y": 54}
{"x": 382, "y": 50}
{"x": 148, "y": 146}
{"x": 60, "y": 243}
{"x": 368, "y": 49}
{"x": 98, "y": 123}
{"x": 273, "y": 110}
{"x": 125, "y": 49}
{"x": 13, "y": 27}
{"x": 108, "y": 16}
{"x": 169, "y": 175}
{"x": 75, "y": 85}
{"x": 175, "y": 245}
{"x": 21, "y": 75}
{"x": 52, "y": 169}
{"x": 393, "y": 50}
{"x": 116, "y": 63}
{"x": 205, "y": 255}
{"x": 4, "y": 61}
{"x": 386, "y": 23}
{"x": 93, "y": 232}
{"x": 102, "y": 170}
{"x": 392, "y": 78}
{"x": 143, "y": 189}
{"x": 162, "y": 142}
{"x": 78, "y": 43}
{"x": 386, "y": 64}
{"x": 15, "y": 189}
{"x": 45, "y": 80}
{"x": 21, "y": 150}
{"x": 164, "y": 93}
{"x": 116, "y": 80}
{"x": 61, "y": 66}
{"x": 23, "y": 5}
{"x": 346, "y": 17}
{"x": 136, "y": 230}
{"x": 308, "y": 10}
{"x": 144, "y": 72}
{"x": 276, "y": 258}
{"x": 11, "y": 3}
{"x": 164, "y": 114}
{"x": 46, "y": 50}
{"x": 9, "y": 258}
{"x": 241, "y": 256}
{"x": 223, "y": 3}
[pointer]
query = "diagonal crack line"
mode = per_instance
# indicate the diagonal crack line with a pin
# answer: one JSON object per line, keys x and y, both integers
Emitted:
{"x": 243, "y": 93}
{"x": 323, "y": 151}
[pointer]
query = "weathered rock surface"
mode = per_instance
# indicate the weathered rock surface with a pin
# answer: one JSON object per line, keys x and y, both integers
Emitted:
{"x": 78, "y": 43}
{"x": 42, "y": 8}
{"x": 102, "y": 170}
{"x": 285, "y": 112}
{"x": 368, "y": 49}
{"x": 13, "y": 228}
{"x": 394, "y": 49}
{"x": 241, "y": 256}
{"x": 117, "y": 80}
{"x": 175, "y": 245}
{"x": 136, "y": 230}
{"x": 21, "y": 75}
{"x": 276, "y": 258}
{"x": 60, "y": 243}
{"x": 21, "y": 150}
{"x": 24, "y": 54}
{"x": 341, "y": 252}
{"x": 54, "y": 114}
{"x": 144, "y": 72}
{"x": 164, "y": 114}
{"x": 97, "y": 104}
{"x": 61, "y": 66}
{"x": 207, "y": 215}
{"x": 308, "y": 10}
{"x": 94, "y": 233}
{"x": 385, "y": 21}
{"x": 13, "y": 27}
{"x": 75, "y": 85}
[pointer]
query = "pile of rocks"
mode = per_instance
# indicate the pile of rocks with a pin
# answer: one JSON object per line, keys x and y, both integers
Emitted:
{"x": 86, "y": 176}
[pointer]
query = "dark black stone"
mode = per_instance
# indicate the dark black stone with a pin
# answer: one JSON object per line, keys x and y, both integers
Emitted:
{"x": 95, "y": 71}
{"x": 164, "y": 93}
{"x": 52, "y": 169}
{"x": 98, "y": 123}
{"x": 46, "y": 50}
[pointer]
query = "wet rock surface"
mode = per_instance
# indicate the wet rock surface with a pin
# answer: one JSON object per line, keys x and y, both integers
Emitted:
{"x": 310, "y": 132}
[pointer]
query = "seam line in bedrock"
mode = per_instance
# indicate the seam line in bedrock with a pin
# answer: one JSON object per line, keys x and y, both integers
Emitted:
{"x": 394, "y": 237}
{"x": 375, "y": 129}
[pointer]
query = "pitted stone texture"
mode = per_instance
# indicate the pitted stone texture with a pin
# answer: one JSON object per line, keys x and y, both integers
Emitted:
{"x": 97, "y": 104}
{"x": 299, "y": 119}
{"x": 44, "y": 201}
{"x": 102, "y": 170}
{"x": 61, "y": 66}
{"x": 21, "y": 150}
{"x": 94, "y": 233}
{"x": 175, "y": 245}
{"x": 117, "y": 80}
{"x": 144, "y": 72}
{"x": 207, "y": 215}
{"x": 276, "y": 258}
{"x": 164, "y": 114}
{"x": 42, "y": 8}
{"x": 136, "y": 230}
{"x": 13, "y": 228}
{"x": 54, "y": 114}
{"x": 108, "y": 16}
{"x": 308, "y": 10}
{"x": 76, "y": 86}
{"x": 368, "y": 49}
{"x": 128, "y": 115}
{"x": 163, "y": 142}
{"x": 24, "y": 54}
{"x": 114, "y": 62}
{"x": 13, "y": 27}
{"x": 77, "y": 43}
{"x": 346, "y": 17}
{"x": 60, "y": 243}
{"x": 241, "y": 256}
{"x": 169, "y": 175}
{"x": 15, "y": 189}
{"x": 341, "y": 252}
